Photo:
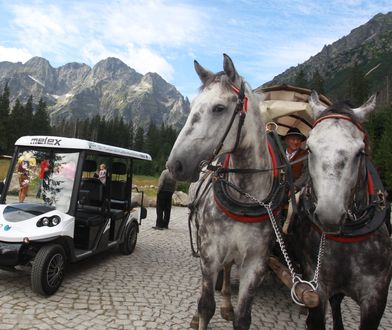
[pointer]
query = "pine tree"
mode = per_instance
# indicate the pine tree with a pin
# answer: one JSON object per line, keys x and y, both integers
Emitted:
{"x": 41, "y": 122}
{"x": 317, "y": 83}
{"x": 300, "y": 79}
{"x": 4, "y": 121}
{"x": 17, "y": 125}
{"x": 28, "y": 115}
{"x": 357, "y": 89}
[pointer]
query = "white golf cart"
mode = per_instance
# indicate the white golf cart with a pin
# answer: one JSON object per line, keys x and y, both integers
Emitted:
{"x": 57, "y": 206}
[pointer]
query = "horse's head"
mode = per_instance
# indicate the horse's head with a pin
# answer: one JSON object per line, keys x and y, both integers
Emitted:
{"x": 336, "y": 147}
{"x": 210, "y": 117}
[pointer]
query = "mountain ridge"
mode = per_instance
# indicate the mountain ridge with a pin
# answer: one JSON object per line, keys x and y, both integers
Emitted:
{"x": 110, "y": 89}
{"x": 367, "y": 46}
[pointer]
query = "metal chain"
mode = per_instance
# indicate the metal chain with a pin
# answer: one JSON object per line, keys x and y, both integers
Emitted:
{"x": 278, "y": 235}
{"x": 296, "y": 278}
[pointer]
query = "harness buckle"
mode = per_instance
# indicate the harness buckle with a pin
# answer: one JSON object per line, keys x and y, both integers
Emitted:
{"x": 381, "y": 199}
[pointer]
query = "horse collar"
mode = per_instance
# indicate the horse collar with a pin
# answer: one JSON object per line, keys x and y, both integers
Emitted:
{"x": 252, "y": 212}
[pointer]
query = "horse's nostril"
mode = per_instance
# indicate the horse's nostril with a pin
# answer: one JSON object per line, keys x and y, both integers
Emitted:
{"x": 178, "y": 167}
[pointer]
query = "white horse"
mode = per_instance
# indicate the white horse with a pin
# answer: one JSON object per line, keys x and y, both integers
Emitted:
{"x": 227, "y": 235}
{"x": 345, "y": 200}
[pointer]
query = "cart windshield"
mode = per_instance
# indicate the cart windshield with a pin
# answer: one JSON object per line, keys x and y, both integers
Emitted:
{"x": 43, "y": 177}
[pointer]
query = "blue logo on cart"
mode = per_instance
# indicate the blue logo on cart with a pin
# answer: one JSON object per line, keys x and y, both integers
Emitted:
{"x": 7, "y": 227}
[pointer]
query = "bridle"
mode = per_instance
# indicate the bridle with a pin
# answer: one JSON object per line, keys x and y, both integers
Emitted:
{"x": 364, "y": 221}
{"x": 240, "y": 109}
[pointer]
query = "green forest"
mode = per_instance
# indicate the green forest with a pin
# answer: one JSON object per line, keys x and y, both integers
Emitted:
{"x": 30, "y": 119}
{"x": 27, "y": 119}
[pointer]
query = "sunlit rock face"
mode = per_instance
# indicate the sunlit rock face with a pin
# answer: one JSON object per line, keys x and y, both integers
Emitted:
{"x": 110, "y": 89}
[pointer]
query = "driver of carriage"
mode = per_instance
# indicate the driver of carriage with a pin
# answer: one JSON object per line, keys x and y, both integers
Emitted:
{"x": 293, "y": 140}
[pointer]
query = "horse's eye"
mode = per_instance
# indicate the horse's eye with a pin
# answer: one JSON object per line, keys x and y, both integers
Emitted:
{"x": 218, "y": 108}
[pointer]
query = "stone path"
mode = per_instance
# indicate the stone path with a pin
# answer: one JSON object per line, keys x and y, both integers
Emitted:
{"x": 156, "y": 287}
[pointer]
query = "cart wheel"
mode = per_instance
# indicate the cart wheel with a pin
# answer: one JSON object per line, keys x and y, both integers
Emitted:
{"x": 130, "y": 239}
{"x": 48, "y": 268}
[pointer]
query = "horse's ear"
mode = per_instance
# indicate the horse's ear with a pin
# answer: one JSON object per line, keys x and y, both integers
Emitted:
{"x": 363, "y": 111}
{"x": 203, "y": 74}
{"x": 228, "y": 67}
{"x": 316, "y": 105}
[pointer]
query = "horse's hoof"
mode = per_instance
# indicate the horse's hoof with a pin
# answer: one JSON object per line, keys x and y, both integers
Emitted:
{"x": 195, "y": 322}
{"x": 227, "y": 313}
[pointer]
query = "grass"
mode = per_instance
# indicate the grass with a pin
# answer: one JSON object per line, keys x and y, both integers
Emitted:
{"x": 4, "y": 163}
{"x": 146, "y": 183}
{"x": 149, "y": 184}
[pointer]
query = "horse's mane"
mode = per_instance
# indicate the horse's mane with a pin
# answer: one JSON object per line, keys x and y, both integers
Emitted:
{"x": 341, "y": 108}
{"x": 220, "y": 77}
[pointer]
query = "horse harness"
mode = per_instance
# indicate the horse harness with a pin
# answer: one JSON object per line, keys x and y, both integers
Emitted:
{"x": 368, "y": 218}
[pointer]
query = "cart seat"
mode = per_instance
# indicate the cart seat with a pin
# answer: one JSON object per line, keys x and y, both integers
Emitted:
{"x": 119, "y": 193}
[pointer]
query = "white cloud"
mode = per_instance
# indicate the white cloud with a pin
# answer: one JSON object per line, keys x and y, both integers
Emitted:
{"x": 142, "y": 59}
{"x": 150, "y": 27}
{"x": 14, "y": 54}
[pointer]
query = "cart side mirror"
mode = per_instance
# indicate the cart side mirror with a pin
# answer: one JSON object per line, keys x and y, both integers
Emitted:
{"x": 143, "y": 213}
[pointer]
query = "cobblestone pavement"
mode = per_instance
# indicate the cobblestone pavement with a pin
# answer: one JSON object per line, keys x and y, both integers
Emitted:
{"x": 156, "y": 287}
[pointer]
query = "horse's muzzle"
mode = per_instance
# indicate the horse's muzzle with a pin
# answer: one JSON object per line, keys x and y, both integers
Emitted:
{"x": 331, "y": 226}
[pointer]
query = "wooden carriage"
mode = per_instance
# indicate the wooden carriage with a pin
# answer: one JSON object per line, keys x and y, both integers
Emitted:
{"x": 288, "y": 107}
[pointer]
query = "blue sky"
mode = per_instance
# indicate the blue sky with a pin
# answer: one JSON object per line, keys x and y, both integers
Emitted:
{"x": 263, "y": 37}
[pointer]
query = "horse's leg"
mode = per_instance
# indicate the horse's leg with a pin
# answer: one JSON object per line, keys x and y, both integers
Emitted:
{"x": 251, "y": 275}
{"x": 206, "y": 306}
{"x": 227, "y": 311}
{"x": 335, "y": 302}
{"x": 372, "y": 310}
{"x": 316, "y": 317}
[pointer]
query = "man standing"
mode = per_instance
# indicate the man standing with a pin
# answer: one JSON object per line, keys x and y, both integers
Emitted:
{"x": 166, "y": 188}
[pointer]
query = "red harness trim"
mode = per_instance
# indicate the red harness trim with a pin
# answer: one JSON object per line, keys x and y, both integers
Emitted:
{"x": 342, "y": 239}
{"x": 237, "y": 91}
{"x": 247, "y": 218}
{"x": 337, "y": 116}
{"x": 370, "y": 184}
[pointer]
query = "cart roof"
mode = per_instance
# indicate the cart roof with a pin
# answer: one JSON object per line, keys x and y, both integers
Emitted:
{"x": 58, "y": 142}
{"x": 288, "y": 106}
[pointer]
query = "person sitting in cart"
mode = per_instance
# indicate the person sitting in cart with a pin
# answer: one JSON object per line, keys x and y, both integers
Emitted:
{"x": 293, "y": 140}
{"x": 101, "y": 173}
{"x": 295, "y": 154}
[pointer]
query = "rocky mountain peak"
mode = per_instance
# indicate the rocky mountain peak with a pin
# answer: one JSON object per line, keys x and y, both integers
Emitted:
{"x": 114, "y": 68}
{"x": 110, "y": 89}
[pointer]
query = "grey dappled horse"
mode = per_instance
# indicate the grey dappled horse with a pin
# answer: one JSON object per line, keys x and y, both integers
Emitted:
{"x": 222, "y": 240}
{"x": 356, "y": 260}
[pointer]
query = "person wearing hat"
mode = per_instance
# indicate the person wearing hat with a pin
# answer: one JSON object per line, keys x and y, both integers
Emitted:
{"x": 293, "y": 140}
